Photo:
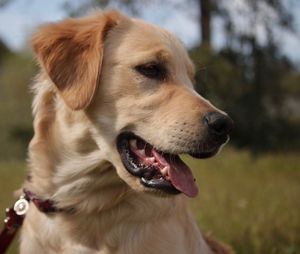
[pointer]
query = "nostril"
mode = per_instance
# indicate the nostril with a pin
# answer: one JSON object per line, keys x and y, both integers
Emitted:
{"x": 218, "y": 123}
{"x": 219, "y": 126}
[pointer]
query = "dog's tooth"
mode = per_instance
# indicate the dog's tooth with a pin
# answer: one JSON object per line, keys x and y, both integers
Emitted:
{"x": 151, "y": 159}
{"x": 142, "y": 152}
{"x": 133, "y": 143}
{"x": 164, "y": 171}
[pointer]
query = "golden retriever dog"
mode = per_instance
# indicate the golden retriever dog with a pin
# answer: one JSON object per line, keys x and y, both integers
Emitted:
{"x": 114, "y": 107}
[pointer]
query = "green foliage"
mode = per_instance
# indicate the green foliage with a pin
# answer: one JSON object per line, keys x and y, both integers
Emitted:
{"x": 16, "y": 72}
{"x": 259, "y": 89}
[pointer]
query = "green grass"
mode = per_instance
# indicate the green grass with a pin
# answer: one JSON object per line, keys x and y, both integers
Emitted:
{"x": 251, "y": 203}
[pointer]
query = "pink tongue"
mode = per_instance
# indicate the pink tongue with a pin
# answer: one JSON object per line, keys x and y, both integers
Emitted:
{"x": 180, "y": 174}
{"x": 182, "y": 178}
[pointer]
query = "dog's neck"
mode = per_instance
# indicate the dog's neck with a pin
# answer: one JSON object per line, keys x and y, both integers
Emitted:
{"x": 65, "y": 163}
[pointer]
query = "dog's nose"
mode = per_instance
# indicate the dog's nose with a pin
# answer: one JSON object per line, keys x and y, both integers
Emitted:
{"x": 218, "y": 124}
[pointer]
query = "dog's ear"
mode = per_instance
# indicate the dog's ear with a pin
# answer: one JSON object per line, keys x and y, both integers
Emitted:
{"x": 71, "y": 53}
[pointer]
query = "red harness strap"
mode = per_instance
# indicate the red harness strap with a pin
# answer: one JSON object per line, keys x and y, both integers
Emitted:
{"x": 15, "y": 216}
{"x": 13, "y": 221}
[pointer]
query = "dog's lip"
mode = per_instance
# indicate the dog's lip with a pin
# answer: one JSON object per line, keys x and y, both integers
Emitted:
{"x": 156, "y": 169}
{"x": 215, "y": 145}
{"x": 205, "y": 155}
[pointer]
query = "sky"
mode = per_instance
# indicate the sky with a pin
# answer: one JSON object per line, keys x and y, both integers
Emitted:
{"x": 19, "y": 19}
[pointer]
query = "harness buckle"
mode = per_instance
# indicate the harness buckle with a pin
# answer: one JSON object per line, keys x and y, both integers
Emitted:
{"x": 21, "y": 206}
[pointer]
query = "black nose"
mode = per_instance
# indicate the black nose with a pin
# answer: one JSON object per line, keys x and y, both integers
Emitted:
{"x": 218, "y": 124}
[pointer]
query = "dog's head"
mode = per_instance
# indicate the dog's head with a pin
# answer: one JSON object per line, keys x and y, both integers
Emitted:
{"x": 135, "y": 83}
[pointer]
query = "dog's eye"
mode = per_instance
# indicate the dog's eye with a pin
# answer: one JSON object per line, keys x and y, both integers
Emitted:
{"x": 152, "y": 70}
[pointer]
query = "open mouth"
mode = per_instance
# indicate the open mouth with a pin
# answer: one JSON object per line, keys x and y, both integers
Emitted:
{"x": 156, "y": 169}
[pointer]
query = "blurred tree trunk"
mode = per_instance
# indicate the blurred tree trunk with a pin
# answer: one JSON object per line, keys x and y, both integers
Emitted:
{"x": 205, "y": 22}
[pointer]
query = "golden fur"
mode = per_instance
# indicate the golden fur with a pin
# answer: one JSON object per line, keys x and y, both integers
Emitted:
{"x": 86, "y": 94}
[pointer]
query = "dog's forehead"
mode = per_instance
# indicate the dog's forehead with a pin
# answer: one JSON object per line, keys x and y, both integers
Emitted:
{"x": 144, "y": 40}
{"x": 152, "y": 36}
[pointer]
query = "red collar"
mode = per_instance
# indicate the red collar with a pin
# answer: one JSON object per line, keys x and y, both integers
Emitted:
{"x": 44, "y": 205}
{"x": 15, "y": 216}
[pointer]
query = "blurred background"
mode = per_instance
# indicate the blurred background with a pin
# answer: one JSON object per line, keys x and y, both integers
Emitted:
{"x": 247, "y": 56}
